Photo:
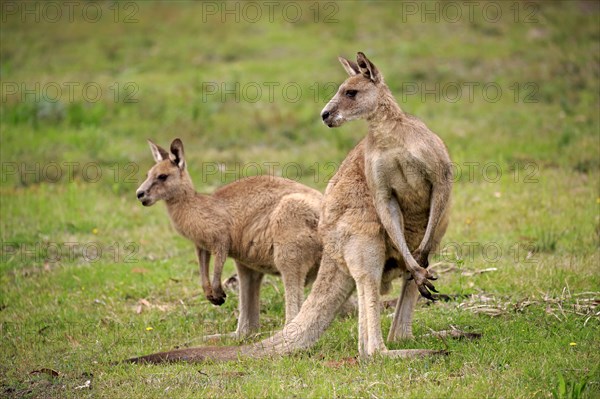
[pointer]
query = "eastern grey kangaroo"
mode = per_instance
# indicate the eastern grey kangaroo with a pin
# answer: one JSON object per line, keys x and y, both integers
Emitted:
{"x": 383, "y": 212}
{"x": 267, "y": 224}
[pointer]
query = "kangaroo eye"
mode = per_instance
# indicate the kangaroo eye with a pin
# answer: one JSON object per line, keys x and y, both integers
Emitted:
{"x": 162, "y": 177}
{"x": 351, "y": 93}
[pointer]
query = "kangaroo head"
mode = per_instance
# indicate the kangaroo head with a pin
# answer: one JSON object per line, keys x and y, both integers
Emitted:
{"x": 168, "y": 178}
{"x": 358, "y": 96}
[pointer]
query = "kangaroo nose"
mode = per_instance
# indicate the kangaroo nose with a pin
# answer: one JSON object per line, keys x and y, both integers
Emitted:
{"x": 325, "y": 115}
{"x": 140, "y": 194}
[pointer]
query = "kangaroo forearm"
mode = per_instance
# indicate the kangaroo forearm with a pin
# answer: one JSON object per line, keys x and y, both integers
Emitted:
{"x": 439, "y": 201}
{"x": 204, "y": 262}
{"x": 218, "y": 271}
{"x": 392, "y": 220}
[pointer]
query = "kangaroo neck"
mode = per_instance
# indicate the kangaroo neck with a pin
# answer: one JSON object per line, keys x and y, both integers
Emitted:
{"x": 386, "y": 116}
{"x": 181, "y": 204}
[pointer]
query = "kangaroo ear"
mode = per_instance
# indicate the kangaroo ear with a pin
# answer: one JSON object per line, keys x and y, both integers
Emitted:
{"x": 349, "y": 66}
{"x": 367, "y": 68}
{"x": 177, "y": 153}
{"x": 158, "y": 153}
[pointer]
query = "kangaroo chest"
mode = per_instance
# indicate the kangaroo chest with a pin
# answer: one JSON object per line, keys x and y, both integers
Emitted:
{"x": 402, "y": 174}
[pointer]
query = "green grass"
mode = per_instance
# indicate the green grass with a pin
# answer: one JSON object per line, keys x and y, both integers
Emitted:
{"x": 80, "y": 255}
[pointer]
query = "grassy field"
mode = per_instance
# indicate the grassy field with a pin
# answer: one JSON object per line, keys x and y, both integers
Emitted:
{"x": 88, "y": 276}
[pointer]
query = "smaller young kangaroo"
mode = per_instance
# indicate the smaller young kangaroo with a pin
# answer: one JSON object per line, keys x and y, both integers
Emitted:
{"x": 267, "y": 224}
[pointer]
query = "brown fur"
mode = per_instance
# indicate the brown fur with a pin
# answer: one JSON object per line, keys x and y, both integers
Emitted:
{"x": 267, "y": 224}
{"x": 383, "y": 212}
{"x": 409, "y": 174}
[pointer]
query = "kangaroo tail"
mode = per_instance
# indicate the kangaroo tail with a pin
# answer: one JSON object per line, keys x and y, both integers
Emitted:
{"x": 330, "y": 290}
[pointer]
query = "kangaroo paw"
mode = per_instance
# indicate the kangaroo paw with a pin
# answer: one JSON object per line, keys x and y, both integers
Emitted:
{"x": 425, "y": 292}
{"x": 216, "y": 300}
{"x": 425, "y": 287}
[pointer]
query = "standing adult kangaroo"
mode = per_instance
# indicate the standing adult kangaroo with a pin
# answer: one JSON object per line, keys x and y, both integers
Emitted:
{"x": 409, "y": 174}
{"x": 383, "y": 212}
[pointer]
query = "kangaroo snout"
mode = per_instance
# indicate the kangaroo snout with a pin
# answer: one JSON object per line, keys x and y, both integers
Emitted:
{"x": 331, "y": 114}
{"x": 328, "y": 118}
{"x": 141, "y": 195}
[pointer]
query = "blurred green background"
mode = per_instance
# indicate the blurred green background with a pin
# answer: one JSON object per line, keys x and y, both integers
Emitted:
{"x": 511, "y": 87}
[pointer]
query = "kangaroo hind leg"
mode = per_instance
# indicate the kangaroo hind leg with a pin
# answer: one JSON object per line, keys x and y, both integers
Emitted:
{"x": 365, "y": 258}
